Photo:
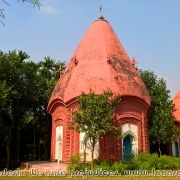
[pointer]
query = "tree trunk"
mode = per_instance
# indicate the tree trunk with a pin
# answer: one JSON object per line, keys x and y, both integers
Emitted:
{"x": 92, "y": 156}
{"x": 45, "y": 151}
{"x": 34, "y": 139}
{"x": 159, "y": 149}
{"x": 18, "y": 143}
{"x": 45, "y": 139}
{"x": 34, "y": 144}
{"x": 85, "y": 144}
{"x": 39, "y": 146}
{"x": 8, "y": 144}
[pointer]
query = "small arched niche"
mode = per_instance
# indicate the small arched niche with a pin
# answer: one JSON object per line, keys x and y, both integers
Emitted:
{"x": 59, "y": 143}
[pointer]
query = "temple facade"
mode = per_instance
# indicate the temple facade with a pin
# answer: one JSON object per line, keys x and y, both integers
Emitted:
{"x": 174, "y": 149}
{"x": 100, "y": 62}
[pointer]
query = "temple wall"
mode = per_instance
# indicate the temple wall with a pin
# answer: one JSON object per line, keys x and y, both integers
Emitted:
{"x": 131, "y": 114}
{"x": 59, "y": 118}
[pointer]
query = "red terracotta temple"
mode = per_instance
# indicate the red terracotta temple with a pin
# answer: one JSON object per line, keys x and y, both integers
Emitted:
{"x": 175, "y": 146}
{"x": 100, "y": 62}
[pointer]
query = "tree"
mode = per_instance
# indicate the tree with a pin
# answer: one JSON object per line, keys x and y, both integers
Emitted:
{"x": 161, "y": 121}
{"x": 34, "y": 2}
{"x": 48, "y": 70}
{"x": 25, "y": 88}
{"x": 4, "y": 94}
{"x": 13, "y": 73}
{"x": 94, "y": 116}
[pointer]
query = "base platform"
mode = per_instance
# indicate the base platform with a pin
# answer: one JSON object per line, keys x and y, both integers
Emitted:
{"x": 45, "y": 166}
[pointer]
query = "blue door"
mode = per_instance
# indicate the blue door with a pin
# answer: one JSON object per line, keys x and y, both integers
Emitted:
{"x": 127, "y": 148}
{"x": 176, "y": 149}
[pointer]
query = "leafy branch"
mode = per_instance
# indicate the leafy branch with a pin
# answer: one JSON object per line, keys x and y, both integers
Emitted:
{"x": 2, "y": 15}
{"x": 34, "y": 2}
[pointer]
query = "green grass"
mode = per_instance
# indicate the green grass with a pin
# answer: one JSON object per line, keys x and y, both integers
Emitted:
{"x": 91, "y": 178}
{"x": 138, "y": 163}
{"x": 44, "y": 177}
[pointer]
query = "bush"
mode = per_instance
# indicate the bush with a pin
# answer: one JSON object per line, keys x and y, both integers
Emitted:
{"x": 104, "y": 165}
{"x": 119, "y": 166}
{"x": 147, "y": 161}
{"x": 142, "y": 161}
{"x": 75, "y": 161}
{"x": 168, "y": 163}
{"x": 97, "y": 161}
{"x": 131, "y": 158}
{"x": 84, "y": 166}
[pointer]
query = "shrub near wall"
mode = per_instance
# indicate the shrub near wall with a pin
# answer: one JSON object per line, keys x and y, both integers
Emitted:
{"x": 142, "y": 161}
{"x": 168, "y": 163}
{"x": 150, "y": 161}
{"x": 146, "y": 161}
{"x": 76, "y": 162}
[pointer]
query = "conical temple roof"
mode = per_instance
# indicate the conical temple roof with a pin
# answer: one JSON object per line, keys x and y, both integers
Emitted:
{"x": 99, "y": 62}
{"x": 176, "y": 101}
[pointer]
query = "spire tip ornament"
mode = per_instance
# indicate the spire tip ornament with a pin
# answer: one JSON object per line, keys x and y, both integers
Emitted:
{"x": 101, "y": 16}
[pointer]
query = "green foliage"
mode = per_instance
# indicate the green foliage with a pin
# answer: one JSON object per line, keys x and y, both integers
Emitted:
{"x": 104, "y": 165}
{"x": 168, "y": 162}
{"x": 130, "y": 157}
{"x": 83, "y": 166}
{"x": 120, "y": 166}
{"x": 35, "y": 2}
{"x": 142, "y": 161}
{"x": 94, "y": 116}
{"x": 161, "y": 117}
{"x": 75, "y": 159}
{"x": 147, "y": 161}
{"x": 25, "y": 89}
{"x": 4, "y": 94}
{"x": 76, "y": 162}
{"x": 97, "y": 161}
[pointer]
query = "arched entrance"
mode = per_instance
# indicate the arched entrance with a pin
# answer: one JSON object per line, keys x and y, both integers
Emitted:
{"x": 127, "y": 147}
{"x": 176, "y": 149}
{"x": 129, "y": 141}
{"x": 59, "y": 140}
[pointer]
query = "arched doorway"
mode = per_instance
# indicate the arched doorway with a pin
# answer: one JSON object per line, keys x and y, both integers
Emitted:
{"x": 176, "y": 149}
{"x": 127, "y": 147}
{"x": 129, "y": 141}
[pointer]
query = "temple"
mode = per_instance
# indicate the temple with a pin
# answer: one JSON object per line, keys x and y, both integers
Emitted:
{"x": 100, "y": 62}
{"x": 174, "y": 148}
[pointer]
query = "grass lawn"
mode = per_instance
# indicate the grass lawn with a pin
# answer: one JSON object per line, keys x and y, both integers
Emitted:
{"x": 92, "y": 178}
{"x": 45, "y": 177}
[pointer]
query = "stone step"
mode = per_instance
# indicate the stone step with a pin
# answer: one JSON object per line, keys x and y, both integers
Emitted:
{"x": 44, "y": 166}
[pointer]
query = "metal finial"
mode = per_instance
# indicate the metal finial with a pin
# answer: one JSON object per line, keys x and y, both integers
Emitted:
{"x": 100, "y": 8}
{"x": 101, "y": 16}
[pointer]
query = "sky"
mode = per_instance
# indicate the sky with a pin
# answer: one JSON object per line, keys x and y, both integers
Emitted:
{"x": 149, "y": 30}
